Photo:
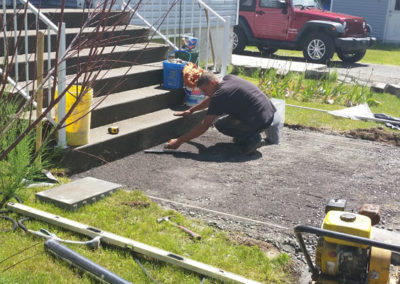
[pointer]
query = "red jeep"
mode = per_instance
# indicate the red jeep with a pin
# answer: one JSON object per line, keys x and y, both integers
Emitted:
{"x": 301, "y": 25}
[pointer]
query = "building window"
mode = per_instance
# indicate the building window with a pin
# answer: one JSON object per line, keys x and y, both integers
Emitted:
{"x": 397, "y": 6}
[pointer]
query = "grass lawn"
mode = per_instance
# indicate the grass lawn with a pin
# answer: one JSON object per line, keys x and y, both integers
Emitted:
{"x": 379, "y": 54}
{"x": 132, "y": 215}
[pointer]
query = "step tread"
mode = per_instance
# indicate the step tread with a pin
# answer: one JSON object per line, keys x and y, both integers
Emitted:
{"x": 130, "y": 125}
{"x": 107, "y": 50}
{"x": 124, "y": 71}
{"x": 128, "y": 96}
{"x": 87, "y": 30}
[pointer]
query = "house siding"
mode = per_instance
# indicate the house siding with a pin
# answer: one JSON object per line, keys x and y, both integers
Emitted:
{"x": 190, "y": 13}
{"x": 373, "y": 11}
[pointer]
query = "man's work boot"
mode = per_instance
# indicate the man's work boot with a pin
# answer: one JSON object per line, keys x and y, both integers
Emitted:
{"x": 252, "y": 143}
{"x": 239, "y": 141}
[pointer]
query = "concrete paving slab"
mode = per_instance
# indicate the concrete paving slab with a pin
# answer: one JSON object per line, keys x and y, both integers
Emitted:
{"x": 73, "y": 195}
{"x": 280, "y": 65}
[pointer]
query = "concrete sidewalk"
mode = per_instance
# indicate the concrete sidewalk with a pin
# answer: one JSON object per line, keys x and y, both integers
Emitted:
{"x": 283, "y": 66}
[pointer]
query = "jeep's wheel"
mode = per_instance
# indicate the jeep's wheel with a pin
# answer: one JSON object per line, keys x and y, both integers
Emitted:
{"x": 351, "y": 57}
{"x": 239, "y": 40}
{"x": 318, "y": 48}
{"x": 266, "y": 51}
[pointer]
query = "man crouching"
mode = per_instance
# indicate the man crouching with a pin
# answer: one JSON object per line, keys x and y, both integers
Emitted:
{"x": 239, "y": 109}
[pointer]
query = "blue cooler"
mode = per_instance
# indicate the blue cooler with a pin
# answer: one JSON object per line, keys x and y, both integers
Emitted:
{"x": 172, "y": 73}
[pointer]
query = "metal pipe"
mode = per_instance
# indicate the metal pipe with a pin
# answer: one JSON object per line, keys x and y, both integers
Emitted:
{"x": 205, "y": 6}
{"x": 19, "y": 89}
{"x": 15, "y": 40}
{"x": 153, "y": 28}
{"x": 61, "y": 74}
{"x": 83, "y": 263}
{"x": 226, "y": 52}
{"x": 41, "y": 16}
{"x": 5, "y": 28}
{"x": 26, "y": 53}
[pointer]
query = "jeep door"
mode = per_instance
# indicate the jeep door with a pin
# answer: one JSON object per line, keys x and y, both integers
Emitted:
{"x": 271, "y": 20}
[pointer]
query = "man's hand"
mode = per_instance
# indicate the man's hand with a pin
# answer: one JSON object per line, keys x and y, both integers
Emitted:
{"x": 173, "y": 144}
{"x": 183, "y": 113}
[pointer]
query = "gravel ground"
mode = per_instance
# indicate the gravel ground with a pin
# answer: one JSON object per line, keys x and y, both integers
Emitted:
{"x": 268, "y": 193}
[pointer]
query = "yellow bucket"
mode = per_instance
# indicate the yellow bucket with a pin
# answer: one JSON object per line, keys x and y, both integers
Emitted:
{"x": 78, "y": 123}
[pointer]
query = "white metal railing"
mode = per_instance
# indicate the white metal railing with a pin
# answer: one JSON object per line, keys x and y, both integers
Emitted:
{"x": 61, "y": 67}
{"x": 170, "y": 20}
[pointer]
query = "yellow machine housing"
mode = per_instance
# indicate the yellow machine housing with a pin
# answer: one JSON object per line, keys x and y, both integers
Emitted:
{"x": 349, "y": 261}
{"x": 347, "y": 223}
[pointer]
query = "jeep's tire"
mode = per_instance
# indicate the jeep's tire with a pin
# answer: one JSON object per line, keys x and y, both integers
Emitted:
{"x": 266, "y": 50}
{"x": 239, "y": 40}
{"x": 351, "y": 57}
{"x": 318, "y": 48}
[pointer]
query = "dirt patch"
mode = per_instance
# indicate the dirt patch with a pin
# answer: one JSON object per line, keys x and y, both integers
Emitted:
{"x": 377, "y": 134}
{"x": 136, "y": 204}
{"x": 267, "y": 248}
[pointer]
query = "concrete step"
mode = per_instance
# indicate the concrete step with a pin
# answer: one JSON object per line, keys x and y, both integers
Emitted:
{"x": 111, "y": 56}
{"x": 135, "y": 134}
{"x": 107, "y": 36}
{"x": 116, "y": 80}
{"x": 124, "y": 105}
{"x": 126, "y": 78}
{"x": 73, "y": 18}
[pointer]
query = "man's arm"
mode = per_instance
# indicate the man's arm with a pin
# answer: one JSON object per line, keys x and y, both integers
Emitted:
{"x": 201, "y": 105}
{"x": 195, "y": 132}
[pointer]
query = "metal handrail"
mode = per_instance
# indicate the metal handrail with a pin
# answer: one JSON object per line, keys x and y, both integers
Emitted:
{"x": 162, "y": 29}
{"x": 61, "y": 70}
{"x": 41, "y": 16}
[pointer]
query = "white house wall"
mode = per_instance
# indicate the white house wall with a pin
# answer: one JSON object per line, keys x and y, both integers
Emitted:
{"x": 373, "y": 11}
{"x": 155, "y": 10}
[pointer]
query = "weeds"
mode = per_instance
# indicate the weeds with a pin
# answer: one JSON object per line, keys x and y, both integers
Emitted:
{"x": 326, "y": 90}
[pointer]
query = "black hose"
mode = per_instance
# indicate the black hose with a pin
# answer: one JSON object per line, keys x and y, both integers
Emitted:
{"x": 19, "y": 200}
{"x": 14, "y": 223}
{"x": 20, "y": 223}
{"x": 145, "y": 271}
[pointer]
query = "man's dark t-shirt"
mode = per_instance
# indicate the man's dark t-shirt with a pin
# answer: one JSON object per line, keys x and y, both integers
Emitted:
{"x": 242, "y": 100}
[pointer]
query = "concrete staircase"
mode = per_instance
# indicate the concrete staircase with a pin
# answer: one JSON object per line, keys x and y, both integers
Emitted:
{"x": 137, "y": 104}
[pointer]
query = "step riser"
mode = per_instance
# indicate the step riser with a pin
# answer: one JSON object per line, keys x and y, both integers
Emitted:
{"x": 114, "y": 60}
{"x": 72, "y": 19}
{"x": 121, "y": 146}
{"x": 130, "y": 82}
{"x": 107, "y": 39}
{"x": 118, "y": 84}
{"x": 120, "y": 112}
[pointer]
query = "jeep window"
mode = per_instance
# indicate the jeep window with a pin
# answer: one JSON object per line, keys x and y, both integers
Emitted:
{"x": 307, "y": 3}
{"x": 247, "y": 5}
{"x": 270, "y": 4}
{"x": 397, "y": 5}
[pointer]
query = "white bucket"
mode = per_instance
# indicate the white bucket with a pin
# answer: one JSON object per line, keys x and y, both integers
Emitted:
{"x": 274, "y": 132}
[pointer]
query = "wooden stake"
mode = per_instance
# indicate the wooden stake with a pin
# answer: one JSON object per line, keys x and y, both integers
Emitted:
{"x": 39, "y": 98}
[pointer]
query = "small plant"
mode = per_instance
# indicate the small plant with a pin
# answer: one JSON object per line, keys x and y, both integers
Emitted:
{"x": 326, "y": 90}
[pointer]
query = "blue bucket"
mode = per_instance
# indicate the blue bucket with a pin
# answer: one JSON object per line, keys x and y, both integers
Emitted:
{"x": 193, "y": 96}
{"x": 172, "y": 71}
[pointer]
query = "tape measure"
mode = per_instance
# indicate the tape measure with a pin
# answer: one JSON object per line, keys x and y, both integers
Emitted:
{"x": 113, "y": 129}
